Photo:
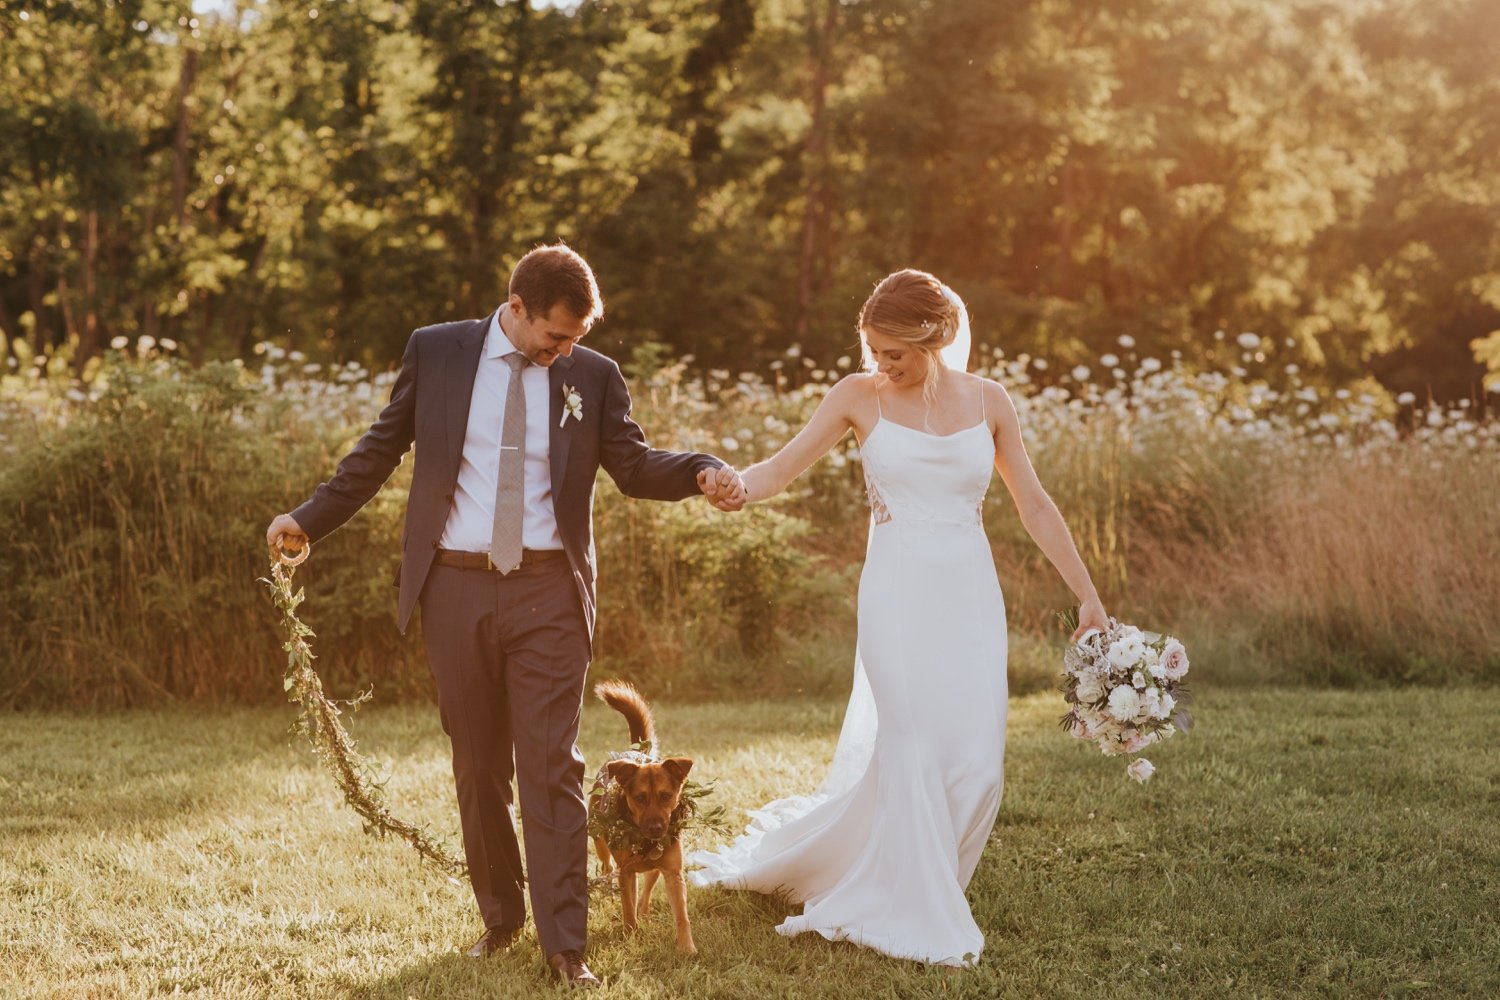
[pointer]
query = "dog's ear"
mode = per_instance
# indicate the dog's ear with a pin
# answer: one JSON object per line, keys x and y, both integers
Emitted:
{"x": 621, "y": 770}
{"x": 678, "y": 767}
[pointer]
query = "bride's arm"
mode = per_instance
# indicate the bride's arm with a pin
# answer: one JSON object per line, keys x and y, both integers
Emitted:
{"x": 1039, "y": 515}
{"x": 830, "y": 422}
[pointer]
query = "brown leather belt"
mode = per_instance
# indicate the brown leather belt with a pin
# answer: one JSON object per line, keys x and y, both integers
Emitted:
{"x": 481, "y": 560}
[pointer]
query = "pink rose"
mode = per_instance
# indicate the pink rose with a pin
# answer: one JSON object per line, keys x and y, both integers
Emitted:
{"x": 1174, "y": 660}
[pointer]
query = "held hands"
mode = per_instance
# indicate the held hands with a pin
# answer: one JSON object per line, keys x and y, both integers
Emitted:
{"x": 1090, "y": 615}
{"x": 724, "y": 488}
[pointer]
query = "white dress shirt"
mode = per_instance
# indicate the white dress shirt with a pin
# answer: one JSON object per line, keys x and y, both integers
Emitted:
{"x": 471, "y": 521}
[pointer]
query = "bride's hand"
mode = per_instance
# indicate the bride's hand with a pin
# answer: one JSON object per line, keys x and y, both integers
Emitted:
{"x": 1091, "y": 615}
{"x": 724, "y": 488}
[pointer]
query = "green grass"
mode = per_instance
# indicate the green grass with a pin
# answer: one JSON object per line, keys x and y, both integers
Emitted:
{"x": 1300, "y": 843}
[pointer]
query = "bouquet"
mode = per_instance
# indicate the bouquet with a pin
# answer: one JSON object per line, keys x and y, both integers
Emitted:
{"x": 1124, "y": 691}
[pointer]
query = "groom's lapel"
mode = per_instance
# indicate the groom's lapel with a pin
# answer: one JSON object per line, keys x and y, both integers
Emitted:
{"x": 559, "y": 436}
{"x": 462, "y": 367}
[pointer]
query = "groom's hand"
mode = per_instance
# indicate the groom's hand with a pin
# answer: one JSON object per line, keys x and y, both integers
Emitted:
{"x": 286, "y": 534}
{"x": 723, "y": 487}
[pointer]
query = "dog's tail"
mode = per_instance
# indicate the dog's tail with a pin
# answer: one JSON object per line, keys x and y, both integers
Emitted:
{"x": 626, "y": 700}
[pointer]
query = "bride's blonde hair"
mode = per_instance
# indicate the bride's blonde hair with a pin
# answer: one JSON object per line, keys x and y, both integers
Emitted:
{"x": 909, "y": 306}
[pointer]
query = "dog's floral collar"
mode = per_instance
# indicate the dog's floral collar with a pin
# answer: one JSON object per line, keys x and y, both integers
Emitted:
{"x": 609, "y": 820}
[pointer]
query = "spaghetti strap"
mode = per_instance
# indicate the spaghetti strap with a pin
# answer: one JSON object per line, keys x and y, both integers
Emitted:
{"x": 984, "y": 417}
{"x": 879, "y": 413}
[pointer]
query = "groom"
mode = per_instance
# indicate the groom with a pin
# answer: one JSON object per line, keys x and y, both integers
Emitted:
{"x": 511, "y": 420}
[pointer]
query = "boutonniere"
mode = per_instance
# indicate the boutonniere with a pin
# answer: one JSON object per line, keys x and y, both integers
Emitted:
{"x": 572, "y": 405}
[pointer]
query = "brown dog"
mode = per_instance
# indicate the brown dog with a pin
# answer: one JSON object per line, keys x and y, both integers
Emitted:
{"x": 641, "y": 802}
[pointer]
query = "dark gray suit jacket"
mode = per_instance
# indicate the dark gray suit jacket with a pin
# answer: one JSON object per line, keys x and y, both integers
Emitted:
{"x": 429, "y": 406}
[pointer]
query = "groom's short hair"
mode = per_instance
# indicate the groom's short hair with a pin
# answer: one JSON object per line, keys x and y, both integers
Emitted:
{"x": 554, "y": 274}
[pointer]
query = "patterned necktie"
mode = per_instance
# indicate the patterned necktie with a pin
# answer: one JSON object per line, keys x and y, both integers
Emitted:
{"x": 510, "y": 493}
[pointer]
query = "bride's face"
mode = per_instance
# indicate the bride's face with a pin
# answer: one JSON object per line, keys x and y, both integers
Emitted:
{"x": 901, "y": 363}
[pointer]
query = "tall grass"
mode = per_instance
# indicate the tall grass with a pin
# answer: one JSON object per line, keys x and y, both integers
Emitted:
{"x": 1353, "y": 570}
{"x": 132, "y": 520}
{"x": 1343, "y": 536}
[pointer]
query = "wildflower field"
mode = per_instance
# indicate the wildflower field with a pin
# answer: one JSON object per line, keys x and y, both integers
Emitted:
{"x": 1287, "y": 531}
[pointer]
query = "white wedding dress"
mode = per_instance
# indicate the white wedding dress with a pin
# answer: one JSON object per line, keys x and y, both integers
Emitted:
{"x": 882, "y": 853}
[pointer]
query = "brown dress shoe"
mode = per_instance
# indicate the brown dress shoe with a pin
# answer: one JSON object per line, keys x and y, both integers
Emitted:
{"x": 492, "y": 940}
{"x": 568, "y": 966}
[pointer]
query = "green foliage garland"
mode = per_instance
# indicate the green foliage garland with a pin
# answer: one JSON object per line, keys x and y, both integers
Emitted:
{"x": 609, "y": 818}
{"x": 360, "y": 781}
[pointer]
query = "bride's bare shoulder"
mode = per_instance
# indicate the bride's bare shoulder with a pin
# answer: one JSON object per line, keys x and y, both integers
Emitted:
{"x": 989, "y": 385}
{"x": 864, "y": 381}
{"x": 855, "y": 388}
{"x": 997, "y": 399}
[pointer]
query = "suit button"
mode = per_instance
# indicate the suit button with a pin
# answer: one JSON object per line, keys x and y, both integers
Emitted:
{"x": 434, "y": 543}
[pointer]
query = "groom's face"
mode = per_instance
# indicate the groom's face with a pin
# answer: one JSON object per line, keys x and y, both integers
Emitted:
{"x": 543, "y": 339}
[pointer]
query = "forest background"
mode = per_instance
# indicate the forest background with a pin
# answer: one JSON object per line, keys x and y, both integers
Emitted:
{"x": 1241, "y": 260}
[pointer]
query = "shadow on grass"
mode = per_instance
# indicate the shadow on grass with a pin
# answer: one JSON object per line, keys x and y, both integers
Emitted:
{"x": 121, "y": 771}
{"x": 739, "y": 955}
{"x": 516, "y": 973}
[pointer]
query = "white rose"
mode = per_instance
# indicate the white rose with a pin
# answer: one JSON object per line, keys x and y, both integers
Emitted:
{"x": 1151, "y": 703}
{"x": 1138, "y": 679}
{"x": 1174, "y": 660}
{"x": 1140, "y": 769}
{"x": 1088, "y": 689}
{"x": 1126, "y": 652}
{"x": 1124, "y": 703}
{"x": 1167, "y": 704}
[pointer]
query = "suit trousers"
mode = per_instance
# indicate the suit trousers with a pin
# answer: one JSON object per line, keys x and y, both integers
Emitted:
{"x": 510, "y": 654}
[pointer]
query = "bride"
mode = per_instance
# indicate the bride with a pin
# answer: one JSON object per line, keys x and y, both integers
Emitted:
{"x": 882, "y": 853}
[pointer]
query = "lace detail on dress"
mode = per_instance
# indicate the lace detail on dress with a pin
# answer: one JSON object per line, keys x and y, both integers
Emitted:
{"x": 877, "y": 505}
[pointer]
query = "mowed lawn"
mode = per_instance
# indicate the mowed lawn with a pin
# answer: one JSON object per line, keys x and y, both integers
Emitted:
{"x": 1299, "y": 843}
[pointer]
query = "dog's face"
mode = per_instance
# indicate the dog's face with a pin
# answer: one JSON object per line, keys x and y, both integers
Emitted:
{"x": 650, "y": 791}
